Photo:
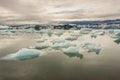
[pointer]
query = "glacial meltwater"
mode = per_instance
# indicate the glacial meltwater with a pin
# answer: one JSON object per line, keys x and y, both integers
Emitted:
{"x": 84, "y": 58}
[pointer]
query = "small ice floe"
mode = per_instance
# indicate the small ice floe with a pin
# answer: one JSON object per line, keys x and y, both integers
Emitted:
{"x": 85, "y": 30}
{"x": 71, "y": 38}
{"x": 42, "y": 46}
{"x": 96, "y": 33}
{"x": 92, "y": 47}
{"x": 40, "y": 40}
{"x": 23, "y": 54}
{"x": 99, "y": 32}
{"x": 111, "y": 31}
{"x": 58, "y": 41}
{"x": 42, "y": 32}
{"x": 93, "y": 36}
{"x": 115, "y": 35}
{"x": 59, "y": 46}
{"x": 49, "y": 32}
{"x": 59, "y": 33}
{"x": 5, "y": 32}
{"x": 117, "y": 40}
{"x": 72, "y": 51}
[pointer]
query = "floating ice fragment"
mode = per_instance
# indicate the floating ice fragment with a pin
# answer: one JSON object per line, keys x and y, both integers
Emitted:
{"x": 115, "y": 35}
{"x": 93, "y": 36}
{"x": 23, "y": 54}
{"x": 98, "y": 32}
{"x": 59, "y": 33}
{"x": 49, "y": 32}
{"x": 117, "y": 41}
{"x": 40, "y": 40}
{"x": 59, "y": 46}
{"x": 85, "y": 30}
{"x": 92, "y": 47}
{"x": 58, "y": 41}
{"x": 42, "y": 32}
{"x": 72, "y": 51}
{"x": 71, "y": 38}
{"x": 111, "y": 31}
{"x": 42, "y": 46}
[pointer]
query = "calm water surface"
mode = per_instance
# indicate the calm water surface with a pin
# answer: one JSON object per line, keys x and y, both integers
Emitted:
{"x": 58, "y": 66}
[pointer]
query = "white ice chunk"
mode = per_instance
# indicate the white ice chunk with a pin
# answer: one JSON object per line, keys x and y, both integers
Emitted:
{"x": 24, "y": 54}
{"x": 49, "y": 32}
{"x": 62, "y": 45}
{"x": 93, "y": 35}
{"x": 42, "y": 46}
{"x": 111, "y": 31}
{"x": 42, "y": 32}
{"x": 58, "y": 41}
{"x": 85, "y": 30}
{"x": 71, "y": 38}
{"x": 40, "y": 40}
{"x": 72, "y": 51}
{"x": 59, "y": 33}
{"x": 92, "y": 47}
{"x": 115, "y": 35}
{"x": 117, "y": 40}
{"x": 98, "y": 32}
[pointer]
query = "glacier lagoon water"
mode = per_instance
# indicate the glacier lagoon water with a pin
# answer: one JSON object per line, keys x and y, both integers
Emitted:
{"x": 56, "y": 65}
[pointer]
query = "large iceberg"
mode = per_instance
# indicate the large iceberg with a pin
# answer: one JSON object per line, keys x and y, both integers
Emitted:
{"x": 23, "y": 54}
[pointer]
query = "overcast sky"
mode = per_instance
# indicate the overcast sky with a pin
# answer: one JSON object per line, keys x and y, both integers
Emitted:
{"x": 46, "y": 11}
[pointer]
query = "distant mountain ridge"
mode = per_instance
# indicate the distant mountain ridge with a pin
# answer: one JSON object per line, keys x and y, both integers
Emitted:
{"x": 116, "y": 21}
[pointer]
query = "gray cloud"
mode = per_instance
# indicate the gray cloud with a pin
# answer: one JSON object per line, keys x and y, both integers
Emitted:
{"x": 70, "y": 11}
{"x": 43, "y": 11}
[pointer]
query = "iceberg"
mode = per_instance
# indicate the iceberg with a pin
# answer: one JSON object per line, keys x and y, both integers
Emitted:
{"x": 71, "y": 38}
{"x": 23, "y": 54}
{"x": 92, "y": 47}
{"x": 42, "y": 32}
{"x": 115, "y": 35}
{"x": 59, "y": 33}
{"x": 93, "y": 36}
{"x": 117, "y": 41}
{"x": 49, "y": 32}
{"x": 98, "y": 32}
{"x": 85, "y": 31}
{"x": 42, "y": 46}
{"x": 111, "y": 31}
{"x": 58, "y": 41}
{"x": 6, "y": 32}
{"x": 72, "y": 51}
{"x": 40, "y": 40}
{"x": 59, "y": 46}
